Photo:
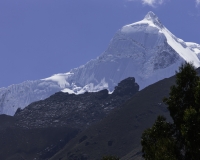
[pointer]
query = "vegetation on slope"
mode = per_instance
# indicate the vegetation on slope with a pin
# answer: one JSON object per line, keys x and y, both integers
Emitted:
{"x": 180, "y": 139}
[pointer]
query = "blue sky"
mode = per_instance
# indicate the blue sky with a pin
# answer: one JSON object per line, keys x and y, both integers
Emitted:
{"x": 41, "y": 38}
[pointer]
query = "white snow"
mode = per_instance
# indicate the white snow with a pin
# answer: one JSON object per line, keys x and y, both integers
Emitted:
{"x": 194, "y": 47}
{"x": 184, "y": 52}
{"x": 60, "y": 79}
{"x": 67, "y": 90}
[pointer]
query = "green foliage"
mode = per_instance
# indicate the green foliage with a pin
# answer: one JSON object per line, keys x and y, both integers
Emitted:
{"x": 182, "y": 94}
{"x": 197, "y": 95}
{"x": 180, "y": 140}
{"x": 158, "y": 142}
{"x": 190, "y": 131}
{"x": 110, "y": 158}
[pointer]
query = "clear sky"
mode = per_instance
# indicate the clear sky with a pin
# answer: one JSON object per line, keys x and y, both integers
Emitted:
{"x": 39, "y": 38}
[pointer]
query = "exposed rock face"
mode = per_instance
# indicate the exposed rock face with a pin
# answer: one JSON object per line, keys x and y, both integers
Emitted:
{"x": 126, "y": 87}
{"x": 77, "y": 111}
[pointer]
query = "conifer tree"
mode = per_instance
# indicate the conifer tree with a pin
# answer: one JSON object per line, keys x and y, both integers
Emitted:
{"x": 182, "y": 95}
{"x": 183, "y": 135}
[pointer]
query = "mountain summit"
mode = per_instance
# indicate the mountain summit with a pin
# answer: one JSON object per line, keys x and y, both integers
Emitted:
{"x": 146, "y": 50}
{"x": 152, "y": 17}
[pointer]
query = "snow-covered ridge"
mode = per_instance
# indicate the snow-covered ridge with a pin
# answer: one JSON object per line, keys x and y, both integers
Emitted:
{"x": 145, "y": 50}
{"x": 194, "y": 47}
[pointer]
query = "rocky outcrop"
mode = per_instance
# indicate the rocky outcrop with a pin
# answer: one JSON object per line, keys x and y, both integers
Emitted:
{"x": 77, "y": 111}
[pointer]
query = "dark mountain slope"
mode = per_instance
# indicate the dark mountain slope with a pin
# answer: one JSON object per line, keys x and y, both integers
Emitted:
{"x": 44, "y": 127}
{"x": 30, "y": 134}
{"x": 23, "y": 144}
{"x": 120, "y": 132}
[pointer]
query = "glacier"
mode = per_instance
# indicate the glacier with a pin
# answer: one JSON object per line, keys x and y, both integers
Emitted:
{"x": 146, "y": 50}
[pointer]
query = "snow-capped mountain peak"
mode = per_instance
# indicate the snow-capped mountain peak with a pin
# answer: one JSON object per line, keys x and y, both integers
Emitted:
{"x": 153, "y": 18}
{"x": 145, "y": 50}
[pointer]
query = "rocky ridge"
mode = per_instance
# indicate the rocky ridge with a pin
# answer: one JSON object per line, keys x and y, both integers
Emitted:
{"x": 76, "y": 111}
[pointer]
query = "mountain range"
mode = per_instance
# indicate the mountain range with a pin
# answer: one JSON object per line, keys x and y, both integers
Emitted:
{"x": 145, "y": 50}
{"x": 100, "y": 108}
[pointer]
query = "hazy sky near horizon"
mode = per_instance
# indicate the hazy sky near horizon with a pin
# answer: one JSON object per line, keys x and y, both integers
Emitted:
{"x": 42, "y": 38}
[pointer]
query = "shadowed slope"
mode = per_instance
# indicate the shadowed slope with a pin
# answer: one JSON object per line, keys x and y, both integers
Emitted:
{"x": 18, "y": 143}
{"x": 121, "y": 131}
{"x": 44, "y": 127}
